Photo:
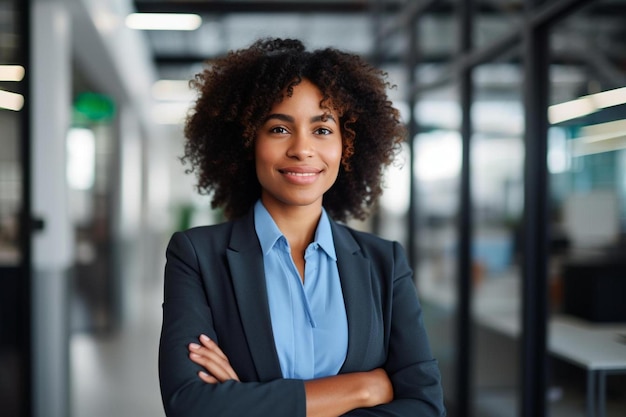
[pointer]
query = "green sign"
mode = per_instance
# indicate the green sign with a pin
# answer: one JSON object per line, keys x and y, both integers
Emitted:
{"x": 94, "y": 106}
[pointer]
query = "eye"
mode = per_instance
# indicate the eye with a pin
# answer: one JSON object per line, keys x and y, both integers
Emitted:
{"x": 323, "y": 131}
{"x": 279, "y": 130}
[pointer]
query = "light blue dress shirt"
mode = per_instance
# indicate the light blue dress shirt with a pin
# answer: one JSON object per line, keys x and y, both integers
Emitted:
{"x": 308, "y": 320}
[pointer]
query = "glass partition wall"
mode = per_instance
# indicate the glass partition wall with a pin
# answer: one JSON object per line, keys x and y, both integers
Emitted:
{"x": 437, "y": 162}
{"x": 587, "y": 167}
{"x": 497, "y": 185}
{"x": 512, "y": 209}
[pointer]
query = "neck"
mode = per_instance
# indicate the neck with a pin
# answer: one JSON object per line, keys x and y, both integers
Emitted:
{"x": 298, "y": 224}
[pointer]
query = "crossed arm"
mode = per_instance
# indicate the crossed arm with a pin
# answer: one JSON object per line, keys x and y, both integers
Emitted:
{"x": 409, "y": 367}
{"x": 325, "y": 397}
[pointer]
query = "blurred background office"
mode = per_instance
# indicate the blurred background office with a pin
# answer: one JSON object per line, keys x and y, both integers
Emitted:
{"x": 510, "y": 197}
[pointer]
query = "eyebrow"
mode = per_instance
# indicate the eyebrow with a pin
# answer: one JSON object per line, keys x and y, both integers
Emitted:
{"x": 289, "y": 119}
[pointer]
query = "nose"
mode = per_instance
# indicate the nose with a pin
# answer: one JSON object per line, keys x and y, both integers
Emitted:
{"x": 301, "y": 146}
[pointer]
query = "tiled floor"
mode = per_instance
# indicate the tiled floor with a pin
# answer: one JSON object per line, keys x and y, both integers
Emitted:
{"x": 115, "y": 375}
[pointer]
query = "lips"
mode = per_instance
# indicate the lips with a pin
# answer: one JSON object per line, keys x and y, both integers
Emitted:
{"x": 300, "y": 171}
{"x": 300, "y": 175}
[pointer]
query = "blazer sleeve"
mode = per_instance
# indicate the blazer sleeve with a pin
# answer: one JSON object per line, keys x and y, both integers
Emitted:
{"x": 413, "y": 371}
{"x": 186, "y": 315}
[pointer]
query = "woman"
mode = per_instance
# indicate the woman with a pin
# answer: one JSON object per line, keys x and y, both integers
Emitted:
{"x": 281, "y": 311}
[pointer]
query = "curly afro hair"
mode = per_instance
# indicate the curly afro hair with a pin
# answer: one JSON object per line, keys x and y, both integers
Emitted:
{"x": 237, "y": 92}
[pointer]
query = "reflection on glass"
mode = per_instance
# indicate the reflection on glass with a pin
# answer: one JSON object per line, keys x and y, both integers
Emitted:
{"x": 587, "y": 162}
{"x": 437, "y": 169}
{"x": 497, "y": 184}
{"x": 437, "y": 163}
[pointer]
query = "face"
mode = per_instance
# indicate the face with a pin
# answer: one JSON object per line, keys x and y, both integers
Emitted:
{"x": 298, "y": 151}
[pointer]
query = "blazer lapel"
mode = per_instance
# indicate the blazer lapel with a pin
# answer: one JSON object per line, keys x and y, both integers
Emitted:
{"x": 246, "y": 265}
{"x": 354, "y": 273}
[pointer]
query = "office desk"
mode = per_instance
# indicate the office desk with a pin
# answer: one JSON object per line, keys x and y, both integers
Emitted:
{"x": 598, "y": 348}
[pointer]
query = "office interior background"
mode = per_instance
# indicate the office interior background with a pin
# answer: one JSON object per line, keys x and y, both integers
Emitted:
{"x": 510, "y": 196}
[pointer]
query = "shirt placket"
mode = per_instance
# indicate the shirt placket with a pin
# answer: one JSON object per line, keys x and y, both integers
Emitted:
{"x": 303, "y": 323}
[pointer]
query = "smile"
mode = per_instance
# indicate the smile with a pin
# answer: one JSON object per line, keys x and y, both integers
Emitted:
{"x": 300, "y": 174}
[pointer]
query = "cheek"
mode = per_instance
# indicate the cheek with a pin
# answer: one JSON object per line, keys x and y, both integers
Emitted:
{"x": 261, "y": 153}
{"x": 265, "y": 158}
{"x": 334, "y": 154}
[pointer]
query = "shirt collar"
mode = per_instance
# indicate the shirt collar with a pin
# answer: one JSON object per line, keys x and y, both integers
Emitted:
{"x": 269, "y": 233}
{"x": 324, "y": 236}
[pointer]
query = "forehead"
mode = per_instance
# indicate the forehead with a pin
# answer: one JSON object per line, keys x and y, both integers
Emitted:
{"x": 304, "y": 94}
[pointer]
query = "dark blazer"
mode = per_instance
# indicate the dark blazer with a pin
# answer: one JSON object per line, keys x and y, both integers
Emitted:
{"x": 215, "y": 284}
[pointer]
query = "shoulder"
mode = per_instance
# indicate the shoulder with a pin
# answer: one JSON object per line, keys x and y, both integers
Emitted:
{"x": 238, "y": 234}
{"x": 203, "y": 232}
{"x": 201, "y": 237}
{"x": 367, "y": 242}
{"x": 386, "y": 258}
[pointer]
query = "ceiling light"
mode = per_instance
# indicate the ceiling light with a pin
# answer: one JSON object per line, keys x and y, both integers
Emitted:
{"x": 599, "y": 138}
{"x": 586, "y": 105}
{"x": 11, "y": 72}
{"x": 11, "y": 101}
{"x": 163, "y": 21}
{"x": 570, "y": 110}
{"x": 598, "y": 132}
{"x": 610, "y": 98}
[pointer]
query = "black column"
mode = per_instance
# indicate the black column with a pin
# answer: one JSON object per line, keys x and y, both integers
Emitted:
{"x": 24, "y": 336}
{"x": 464, "y": 339}
{"x": 533, "y": 361}
{"x": 412, "y": 59}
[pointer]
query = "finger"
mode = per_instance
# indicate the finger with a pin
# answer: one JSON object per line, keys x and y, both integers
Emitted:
{"x": 214, "y": 365}
{"x": 209, "y": 379}
{"x": 216, "y": 370}
{"x": 210, "y": 344}
{"x": 211, "y": 351}
{"x": 209, "y": 354}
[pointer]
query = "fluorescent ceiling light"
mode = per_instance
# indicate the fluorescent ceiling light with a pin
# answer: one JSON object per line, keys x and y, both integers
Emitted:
{"x": 600, "y": 138}
{"x": 570, "y": 110}
{"x": 602, "y": 131}
{"x": 163, "y": 21}
{"x": 11, "y": 101}
{"x": 586, "y": 105}
{"x": 11, "y": 72}
{"x": 610, "y": 98}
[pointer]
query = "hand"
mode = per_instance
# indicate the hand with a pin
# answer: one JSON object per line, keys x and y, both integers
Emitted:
{"x": 216, "y": 366}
